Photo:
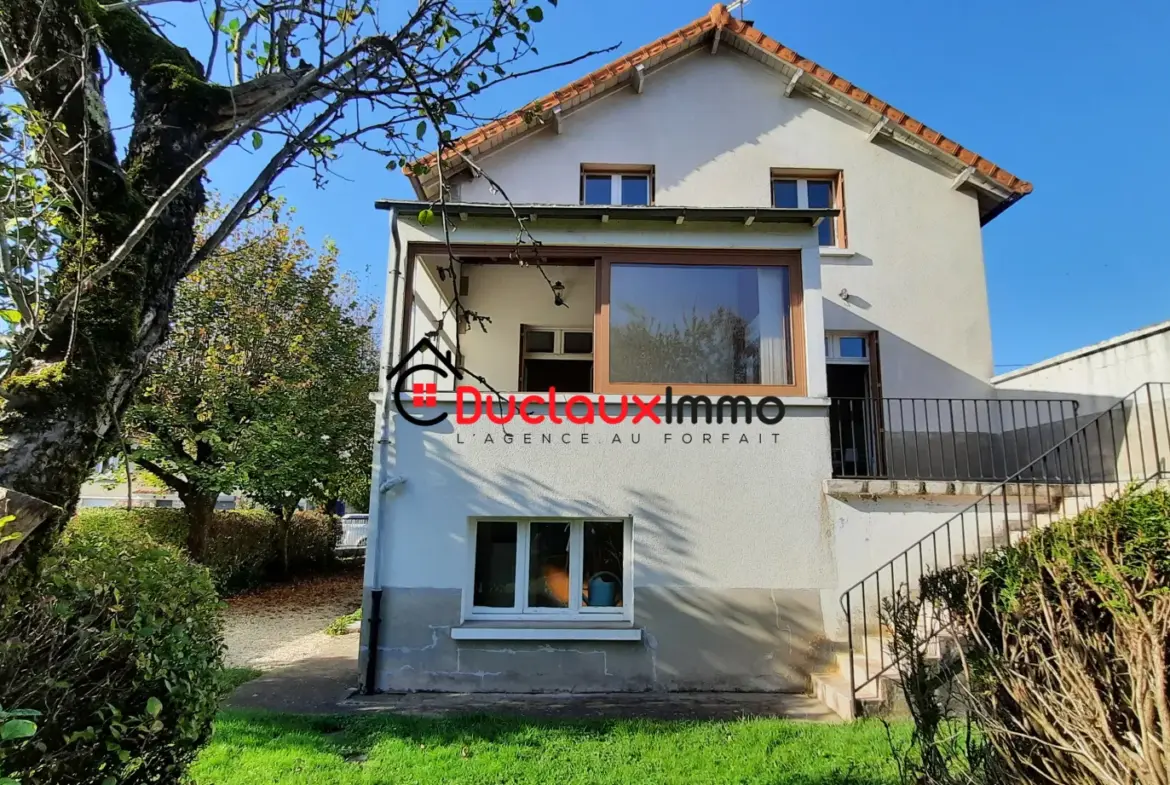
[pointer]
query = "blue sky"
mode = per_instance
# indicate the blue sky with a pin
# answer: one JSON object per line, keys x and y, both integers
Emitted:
{"x": 1064, "y": 94}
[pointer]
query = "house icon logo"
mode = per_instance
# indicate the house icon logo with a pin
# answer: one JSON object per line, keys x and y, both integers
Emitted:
{"x": 423, "y": 394}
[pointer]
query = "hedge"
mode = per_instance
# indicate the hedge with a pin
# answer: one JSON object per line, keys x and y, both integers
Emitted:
{"x": 119, "y": 651}
{"x": 243, "y": 546}
{"x": 1065, "y": 637}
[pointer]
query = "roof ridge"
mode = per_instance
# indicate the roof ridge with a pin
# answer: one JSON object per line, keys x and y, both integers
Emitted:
{"x": 720, "y": 18}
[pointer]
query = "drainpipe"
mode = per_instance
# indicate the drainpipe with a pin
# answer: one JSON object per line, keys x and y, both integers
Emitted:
{"x": 381, "y": 484}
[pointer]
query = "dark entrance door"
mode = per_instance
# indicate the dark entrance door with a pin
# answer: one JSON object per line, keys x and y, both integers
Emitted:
{"x": 853, "y": 418}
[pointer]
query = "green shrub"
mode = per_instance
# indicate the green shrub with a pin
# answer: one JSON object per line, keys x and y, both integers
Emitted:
{"x": 313, "y": 538}
{"x": 1065, "y": 637}
{"x": 340, "y": 625}
{"x": 119, "y": 650}
{"x": 243, "y": 546}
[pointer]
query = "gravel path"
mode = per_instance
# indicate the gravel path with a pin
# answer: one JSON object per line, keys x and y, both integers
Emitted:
{"x": 284, "y": 625}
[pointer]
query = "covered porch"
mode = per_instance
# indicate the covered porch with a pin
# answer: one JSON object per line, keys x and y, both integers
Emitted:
{"x": 618, "y": 300}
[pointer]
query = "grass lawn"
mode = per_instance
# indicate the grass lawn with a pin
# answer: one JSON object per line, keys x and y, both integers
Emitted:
{"x": 230, "y": 678}
{"x": 249, "y": 748}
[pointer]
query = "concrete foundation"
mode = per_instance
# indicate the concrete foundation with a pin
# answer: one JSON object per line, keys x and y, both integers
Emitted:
{"x": 740, "y": 640}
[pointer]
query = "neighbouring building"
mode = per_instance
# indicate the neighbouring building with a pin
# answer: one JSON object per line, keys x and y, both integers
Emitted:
{"x": 1097, "y": 375}
{"x": 717, "y": 216}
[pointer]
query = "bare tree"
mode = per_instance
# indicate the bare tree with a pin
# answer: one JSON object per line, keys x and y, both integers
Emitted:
{"x": 305, "y": 78}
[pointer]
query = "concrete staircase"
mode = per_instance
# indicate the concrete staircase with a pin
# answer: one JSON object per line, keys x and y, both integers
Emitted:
{"x": 991, "y": 522}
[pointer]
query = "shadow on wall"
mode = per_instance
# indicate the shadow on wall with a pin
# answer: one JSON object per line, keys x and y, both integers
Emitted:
{"x": 937, "y": 422}
{"x": 710, "y": 136}
{"x": 695, "y": 637}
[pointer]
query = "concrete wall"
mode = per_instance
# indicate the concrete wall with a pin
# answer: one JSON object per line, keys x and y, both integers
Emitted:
{"x": 869, "y": 533}
{"x": 714, "y": 126}
{"x": 732, "y": 553}
{"x": 1098, "y": 375}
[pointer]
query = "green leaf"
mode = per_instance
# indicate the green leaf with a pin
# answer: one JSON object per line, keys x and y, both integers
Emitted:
{"x": 17, "y": 729}
{"x": 426, "y": 217}
{"x": 536, "y": 13}
{"x": 421, "y": 130}
{"x": 257, "y": 140}
{"x": 153, "y": 706}
{"x": 10, "y": 315}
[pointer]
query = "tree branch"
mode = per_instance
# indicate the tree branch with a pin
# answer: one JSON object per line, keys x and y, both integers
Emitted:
{"x": 170, "y": 478}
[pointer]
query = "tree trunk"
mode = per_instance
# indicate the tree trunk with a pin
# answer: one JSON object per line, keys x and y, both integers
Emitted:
{"x": 285, "y": 517}
{"x": 70, "y": 386}
{"x": 200, "y": 507}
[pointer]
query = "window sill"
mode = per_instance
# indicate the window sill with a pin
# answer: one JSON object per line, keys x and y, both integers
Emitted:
{"x": 837, "y": 252}
{"x": 525, "y": 631}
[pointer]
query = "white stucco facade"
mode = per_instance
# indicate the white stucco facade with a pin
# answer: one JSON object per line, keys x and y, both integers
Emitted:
{"x": 737, "y": 555}
{"x": 713, "y": 127}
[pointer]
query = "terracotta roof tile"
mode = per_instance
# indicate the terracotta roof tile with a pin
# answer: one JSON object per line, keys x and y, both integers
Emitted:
{"x": 719, "y": 17}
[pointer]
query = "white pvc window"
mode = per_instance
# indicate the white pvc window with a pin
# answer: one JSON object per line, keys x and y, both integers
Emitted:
{"x": 549, "y": 569}
{"x": 616, "y": 188}
{"x": 809, "y": 193}
{"x": 847, "y": 348}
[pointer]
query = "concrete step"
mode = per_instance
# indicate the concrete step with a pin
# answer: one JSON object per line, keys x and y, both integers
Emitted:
{"x": 832, "y": 689}
{"x": 879, "y": 678}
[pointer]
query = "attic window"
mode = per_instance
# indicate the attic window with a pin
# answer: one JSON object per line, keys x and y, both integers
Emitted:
{"x": 624, "y": 185}
{"x": 813, "y": 190}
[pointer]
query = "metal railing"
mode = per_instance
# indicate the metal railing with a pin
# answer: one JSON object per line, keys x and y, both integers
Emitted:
{"x": 1126, "y": 444}
{"x": 975, "y": 439}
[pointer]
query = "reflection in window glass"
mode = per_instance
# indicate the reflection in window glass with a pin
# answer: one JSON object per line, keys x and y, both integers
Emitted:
{"x": 784, "y": 193}
{"x": 603, "y": 561}
{"x": 539, "y": 341}
{"x": 852, "y": 346}
{"x": 598, "y": 189}
{"x": 495, "y": 564}
{"x": 548, "y": 565}
{"x": 578, "y": 343}
{"x": 697, "y": 324}
{"x": 635, "y": 189}
{"x": 820, "y": 196}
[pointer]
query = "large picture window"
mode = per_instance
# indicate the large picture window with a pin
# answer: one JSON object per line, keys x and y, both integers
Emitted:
{"x": 700, "y": 327}
{"x": 557, "y": 568}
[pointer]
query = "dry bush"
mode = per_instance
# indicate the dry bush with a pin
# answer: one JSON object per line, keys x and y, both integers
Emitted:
{"x": 1063, "y": 662}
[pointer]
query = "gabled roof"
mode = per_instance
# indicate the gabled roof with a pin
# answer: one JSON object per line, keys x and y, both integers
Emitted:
{"x": 997, "y": 187}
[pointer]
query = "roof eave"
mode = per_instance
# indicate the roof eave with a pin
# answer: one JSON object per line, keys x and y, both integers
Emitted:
{"x": 995, "y": 184}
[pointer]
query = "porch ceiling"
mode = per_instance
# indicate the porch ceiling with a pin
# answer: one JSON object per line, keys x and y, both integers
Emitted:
{"x": 599, "y": 212}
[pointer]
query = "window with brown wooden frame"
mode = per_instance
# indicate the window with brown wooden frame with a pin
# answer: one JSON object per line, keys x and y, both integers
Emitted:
{"x": 618, "y": 184}
{"x": 710, "y": 322}
{"x": 813, "y": 189}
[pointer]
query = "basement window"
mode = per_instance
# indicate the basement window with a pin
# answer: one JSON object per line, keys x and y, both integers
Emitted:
{"x": 813, "y": 190}
{"x": 550, "y": 569}
{"x": 620, "y": 185}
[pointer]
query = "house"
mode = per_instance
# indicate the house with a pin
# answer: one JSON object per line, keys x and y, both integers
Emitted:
{"x": 662, "y": 416}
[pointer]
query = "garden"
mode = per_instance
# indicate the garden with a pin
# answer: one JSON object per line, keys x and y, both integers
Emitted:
{"x": 201, "y": 343}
